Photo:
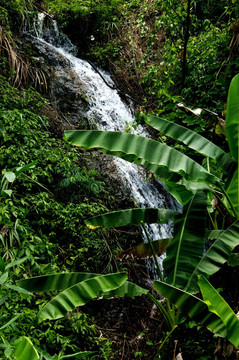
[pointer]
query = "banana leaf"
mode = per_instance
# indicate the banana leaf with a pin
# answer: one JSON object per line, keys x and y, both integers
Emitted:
{"x": 131, "y": 217}
{"x": 232, "y": 117}
{"x": 24, "y": 349}
{"x": 59, "y": 281}
{"x": 216, "y": 255}
{"x": 183, "y": 190}
{"x": 128, "y": 289}
{"x": 217, "y": 305}
{"x": 213, "y": 234}
{"x": 233, "y": 259}
{"x": 79, "y": 294}
{"x": 140, "y": 150}
{"x": 196, "y": 308}
{"x": 143, "y": 250}
{"x": 181, "y": 194}
{"x": 192, "y": 139}
{"x": 232, "y": 190}
{"x": 186, "y": 248}
{"x": 232, "y": 132}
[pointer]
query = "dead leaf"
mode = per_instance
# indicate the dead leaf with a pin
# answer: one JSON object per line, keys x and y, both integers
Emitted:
{"x": 143, "y": 251}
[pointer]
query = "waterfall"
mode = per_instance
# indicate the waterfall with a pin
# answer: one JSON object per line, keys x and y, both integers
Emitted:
{"x": 109, "y": 112}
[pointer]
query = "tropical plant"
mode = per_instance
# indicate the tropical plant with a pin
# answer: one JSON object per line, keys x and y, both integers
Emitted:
{"x": 190, "y": 183}
{"x": 76, "y": 289}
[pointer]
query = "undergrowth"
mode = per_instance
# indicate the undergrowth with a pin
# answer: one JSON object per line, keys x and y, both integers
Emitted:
{"x": 42, "y": 212}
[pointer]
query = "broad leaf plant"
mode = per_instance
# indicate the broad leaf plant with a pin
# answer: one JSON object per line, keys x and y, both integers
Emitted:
{"x": 187, "y": 265}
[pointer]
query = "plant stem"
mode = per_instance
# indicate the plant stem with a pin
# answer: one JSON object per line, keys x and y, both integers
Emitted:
{"x": 164, "y": 313}
{"x": 229, "y": 200}
{"x": 186, "y": 38}
{"x": 153, "y": 252}
{"x": 166, "y": 338}
{"x": 210, "y": 217}
{"x": 171, "y": 312}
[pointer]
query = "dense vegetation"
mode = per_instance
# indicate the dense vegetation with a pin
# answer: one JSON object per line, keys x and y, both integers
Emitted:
{"x": 161, "y": 53}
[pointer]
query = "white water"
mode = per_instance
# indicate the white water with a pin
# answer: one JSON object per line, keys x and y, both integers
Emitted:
{"x": 109, "y": 113}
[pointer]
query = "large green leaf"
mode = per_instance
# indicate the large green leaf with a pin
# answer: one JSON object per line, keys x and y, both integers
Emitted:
{"x": 140, "y": 150}
{"x": 181, "y": 194}
{"x": 213, "y": 234}
{"x": 216, "y": 255}
{"x": 131, "y": 217}
{"x": 216, "y": 304}
{"x": 192, "y": 139}
{"x": 232, "y": 190}
{"x": 17, "y": 288}
{"x": 79, "y": 294}
{"x": 233, "y": 259}
{"x": 128, "y": 289}
{"x": 186, "y": 249}
{"x": 143, "y": 250}
{"x": 232, "y": 117}
{"x": 59, "y": 281}
{"x": 24, "y": 349}
{"x": 193, "y": 306}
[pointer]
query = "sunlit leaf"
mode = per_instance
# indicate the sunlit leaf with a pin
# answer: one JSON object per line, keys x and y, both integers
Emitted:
{"x": 196, "y": 308}
{"x": 192, "y": 139}
{"x": 23, "y": 168}
{"x": 217, "y": 305}
{"x": 232, "y": 117}
{"x": 17, "y": 288}
{"x": 79, "y": 294}
{"x": 131, "y": 217}
{"x": 181, "y": 194}
{"x": 10, "y": 176}
{"x": 218, "y": 253}
{"x": 59, "y": 281}
{"x": 6, "y": 192}
{"x": 140, "y": 150}
{"x": 24, "y": 349}
{"x": 128, "y": 289}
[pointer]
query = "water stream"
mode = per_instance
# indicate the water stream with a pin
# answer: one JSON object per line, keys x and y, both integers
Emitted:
{"x": 109, "y": 112}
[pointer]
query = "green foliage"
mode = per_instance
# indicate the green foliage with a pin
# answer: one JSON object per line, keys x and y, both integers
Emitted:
{"x": 142, "y": 151}
{"x": 191, "y": 139}
{"x": 216, "y": 304}
{"x": 78, "y": 289}
{"x": 86, "y": 21}
{"x": 185, "y": 258}
{"x": 132, "y": 216}
{"x": 24, "y": 349}
{"x": 46, "y": 193}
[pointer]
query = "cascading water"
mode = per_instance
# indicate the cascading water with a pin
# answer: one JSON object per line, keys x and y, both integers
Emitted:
{"x": 108, "y": 112}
